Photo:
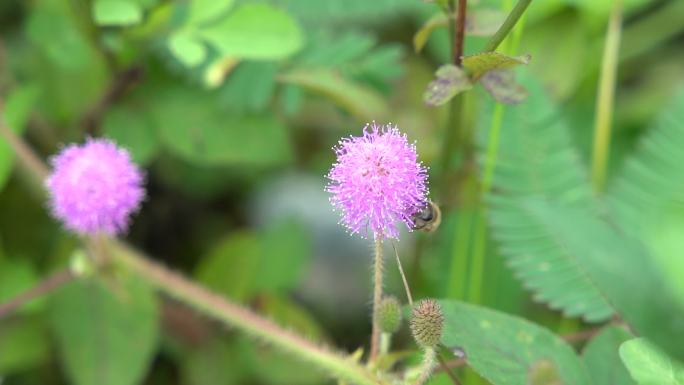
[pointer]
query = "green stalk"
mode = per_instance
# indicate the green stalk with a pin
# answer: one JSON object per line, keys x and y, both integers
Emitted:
{"x": 606, "y": 98}
{"x": 377, "y": 298}
{"x": 507, "y": 25}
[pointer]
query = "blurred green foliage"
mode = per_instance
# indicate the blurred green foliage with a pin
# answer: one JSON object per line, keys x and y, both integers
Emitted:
{"x": 225, "y": 102}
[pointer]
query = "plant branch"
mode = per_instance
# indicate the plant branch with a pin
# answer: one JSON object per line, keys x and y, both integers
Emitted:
{"x": 46, "y": 286}
{"x": 377, "y": 298}
{"x": 217, "y": 307}
{"x": 403, "y": 277}
{"x": 120, "y": 85}
{"x": 459, "y": 32}
{"x": 507, "y": 25}
{"x": 606, "y": 98}
{"x": 26, "y": 156}
{"x": 444, "y": 366}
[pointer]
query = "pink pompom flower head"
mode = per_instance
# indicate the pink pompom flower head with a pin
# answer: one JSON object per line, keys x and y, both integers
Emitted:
{"x": 377, "y": 181}
{"x": 94, "y": 187}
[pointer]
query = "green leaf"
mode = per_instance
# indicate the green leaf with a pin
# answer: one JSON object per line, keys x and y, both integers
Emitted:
{"x": 285, "y": 249}
{"x": 206, "y": 364}
{"x": 502, "y": 86}
{"x": 504, "y": 349}
{"x": 650, "y": 366}
{"x": 288, "y": 313}
{"x": 450, "y": 81}
{"x": 17, "y": 110}
{"x": 24, "y": 344}
{"x": 106, "y": 330}
{"x": 116, "y": 12}
{"x": 481, "y": 63}
{"x": 132, "y": 129}
{"x": 537, "y": 146}
{"x": 544, "y": 372}
{"x": 361, "y": 102}
{"x": 187, "y": 48}
{"x": 203, "y": 11}
{"x": 231, "y": 266}
{"x": 191, "y": 125}
{"x": 250, "y": 87}
{"x": 617, "y": 265}
{"x": 479, "y": 22}
{"x": 652, "y": 179}
{"x": 647, "y": 196}
{"x": 255, "y": 31}
{"x": 423, "y": 34}
{"x": 602, "y": 359}
{"x": 17, "y": 276}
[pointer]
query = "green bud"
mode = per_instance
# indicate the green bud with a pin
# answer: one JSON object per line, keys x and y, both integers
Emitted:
{"x": 389, "y": 315}
{"x": 427, "y": 323}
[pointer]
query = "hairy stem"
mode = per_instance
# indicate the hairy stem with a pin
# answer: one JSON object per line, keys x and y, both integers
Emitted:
{"x": 507, "y": 25}
{"x": 27, "y": 157}
{"x": 217, "y": 307}
{"x": 427, "y": 367}
{"x": 377, "y": 297}
{"x": 48, "y": 285}
{"x": 606, "y": 98}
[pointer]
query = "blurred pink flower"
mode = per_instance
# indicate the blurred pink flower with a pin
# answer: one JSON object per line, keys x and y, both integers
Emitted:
{"x": 94, "y": 187}
{"x": 377, "y": 181}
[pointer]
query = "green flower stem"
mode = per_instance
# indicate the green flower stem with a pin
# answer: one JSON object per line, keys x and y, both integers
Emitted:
{"x": 427, "y": 367}
{"x": 209, "y": 303}
{"x": 507, "y": 25}
{"x": 385, "y": 343}
{"x": 606, "y": 98}
{"x": 231, "y": 314}
{"x": 377, "y": 297}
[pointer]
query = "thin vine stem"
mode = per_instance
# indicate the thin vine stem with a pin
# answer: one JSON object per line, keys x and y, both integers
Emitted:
{"x": 606, "y": 98}
{"x": 409, "y": 296}
{"x": 46, "y": 286}
{"x": 507, "y": 26}
{"x": 377, "y": 297}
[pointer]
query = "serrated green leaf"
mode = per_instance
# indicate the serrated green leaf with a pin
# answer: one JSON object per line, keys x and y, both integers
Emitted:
{"x": 502, "y": 86}
{"x": 450, "y": 81}
{"x": 132, "y": 129}
{"x": 16, "y": 112}
{"x": 504, "y": 349}
{"x": 360, "y": 101}
{"x": 106, "y": 331}
{"x": 187, "y": 48}
{"x": 602, "y": 359}
{"x": 116, "y": 12}
{"x": 481, "y": 63}
{"x": 618, "y": 266}
{"x": 255, "y": 31}
{"x": 648, "y": 365}
{"x": 537, "y": 146}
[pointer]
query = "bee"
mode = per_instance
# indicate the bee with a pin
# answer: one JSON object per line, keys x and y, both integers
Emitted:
{"x": 427, "y": 219}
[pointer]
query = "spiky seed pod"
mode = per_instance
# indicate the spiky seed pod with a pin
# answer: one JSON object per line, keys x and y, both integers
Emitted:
{"x": 427, "y": 323}
{"x": 389, "y": 315}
